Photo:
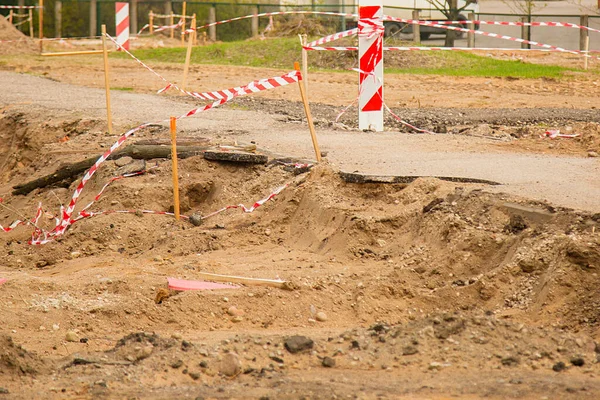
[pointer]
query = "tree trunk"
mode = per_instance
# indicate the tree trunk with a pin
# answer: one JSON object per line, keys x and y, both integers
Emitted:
{"x": 453, "y": 16}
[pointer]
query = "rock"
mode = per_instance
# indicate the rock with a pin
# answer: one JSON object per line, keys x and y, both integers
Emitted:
{"x": 510, "y": 361}
{"x": 235, "y": 312}
{"x": 435, "y": 365}
{"x": 176, "y": 364}
{"x": 578, "y": 361}
{"x": 4, "y": 390}
{"x": 516, "y": 224}
{"x": 177, "y": 336}
{"x": 328, "y": 362}
{"x": 237, "y": 319}
{"x": 230, "y": 365}
{"x": 592, "y": 154}
{"x": 321, "y": 316}
{"x": 132, "y": 167}
{"x": 267, "y": 232}
{"x": 121, "y": 162}
{"x": 194, "y": 375}
{"x": 71, "y": 337}
{"x": 559, "y": 366}
{"x": 296, "y": 344}
{"x": 196, "y": 219}
{"x": 409, "y": 350}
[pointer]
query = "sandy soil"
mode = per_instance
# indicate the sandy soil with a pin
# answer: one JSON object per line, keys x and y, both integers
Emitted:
{"x": 431, "y": 289}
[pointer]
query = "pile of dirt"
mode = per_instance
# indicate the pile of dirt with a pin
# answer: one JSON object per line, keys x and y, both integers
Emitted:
{"x": 12, "y": 41}
{"x": 16, "y": 361}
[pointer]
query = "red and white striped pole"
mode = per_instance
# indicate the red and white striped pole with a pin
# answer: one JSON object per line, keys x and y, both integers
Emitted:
{"x": 370, "y": 53}
{"x": 122, "y": 23}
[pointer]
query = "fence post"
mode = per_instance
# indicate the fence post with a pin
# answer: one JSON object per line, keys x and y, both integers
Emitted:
{"x": 583, "y": 33}
{"x": 416, "y": 27}
{"x": 133, "y": 7}
{"x": 254, "y": 21}
{"x": 93, "y": 18}
{"x": 525, "y": 33}
{"x": 212, "y": 18}
{"x": 21, "y": 3}
{"x": 58, "y": 18}
{"x": 471, "y": 35}
{"x": 30, "y": 23}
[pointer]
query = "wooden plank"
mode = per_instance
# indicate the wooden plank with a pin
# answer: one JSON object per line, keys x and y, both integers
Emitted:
{"x": 247, "y": 281}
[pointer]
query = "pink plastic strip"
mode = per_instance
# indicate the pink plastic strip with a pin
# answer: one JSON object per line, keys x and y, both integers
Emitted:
{"x": 181, "y": 284}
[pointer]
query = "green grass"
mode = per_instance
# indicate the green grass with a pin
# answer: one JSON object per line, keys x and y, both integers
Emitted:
{"x": 123, "y": 89}
{"x": 468, "y": 64}
{"x": 283, "y": 52}
{"x": 272, "y": 53}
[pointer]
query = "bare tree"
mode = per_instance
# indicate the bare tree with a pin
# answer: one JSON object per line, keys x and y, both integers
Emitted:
{"x": 526, "y": 7}
{"x": 451, "y": 11}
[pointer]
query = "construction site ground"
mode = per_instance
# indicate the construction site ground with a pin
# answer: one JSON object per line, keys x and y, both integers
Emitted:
{"x": 429, "y": 289}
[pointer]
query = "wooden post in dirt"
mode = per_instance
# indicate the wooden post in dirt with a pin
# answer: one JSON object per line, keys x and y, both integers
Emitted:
{"x": 174, "y": 163}
{"x": 416, "y": 27}
{"x": 254, "y": 21}
{"x": 212, "y": 18}
{"x": 134, "y": 16}
{"x": 311, "y": 126}
{"x": 93, "y": 18}
{"x": 57, "y": 19}
{"x": 10, "y": 17}
{"x": 31, "y": 22}
{"x": 583, "y": 33}
{"x": 106, "y": 80}
{"x": 171, "y": 22}
{"x": 151, "y": 22}
{"x": 586, "y": 51}
{"x": 471, "y": 35}
{"x": 41, "y": 24}
{"x": 188, "y": 55}
{"x": 183, "y": 24}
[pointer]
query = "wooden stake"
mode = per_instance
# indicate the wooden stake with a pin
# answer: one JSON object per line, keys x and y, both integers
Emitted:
{"x": 174, "y": 163}
{"x": 303, "y": 41}
{"x": 311, "y": 126}
{"x": 171, "y": 21}
{"x": 31, "y": 23}
{"x": 41, "y": 23}
{"x": 183, "y": 24}
{"x": 188, "y": 56}
{"x": 151, "y": 21}
{"x": 10, "y": 16}
{"x": 106, "y": 80}
{"x": 243, "y": 280}
{"x": 195, "y": 34}
{"x": 586, "y": 52}
{"x": 73, "y": 53}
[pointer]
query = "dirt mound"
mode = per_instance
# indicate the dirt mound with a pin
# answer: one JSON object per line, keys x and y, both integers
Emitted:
{"x": 14, "y": 360}
{"x": 13, "y": 41}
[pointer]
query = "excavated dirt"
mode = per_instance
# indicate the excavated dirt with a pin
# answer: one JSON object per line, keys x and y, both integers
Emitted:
{"x": 431, "y": 289}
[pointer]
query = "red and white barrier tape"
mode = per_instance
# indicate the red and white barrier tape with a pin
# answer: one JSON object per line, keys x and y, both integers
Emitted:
{"x": 414, "y": 48}
{"x": 66, "y": 218}
{"x": 244, "y": 208}
{"x": 326, "y": 13}
{"x": 403, "y": 122}
{"x": 500, "y": 23}
{"x": 496, "y": 35}
{"x": 228, "y": 94}
{"x": 20, "y": 7}
{"x": 160, "y": 28}
{"x": 331, "y": 38}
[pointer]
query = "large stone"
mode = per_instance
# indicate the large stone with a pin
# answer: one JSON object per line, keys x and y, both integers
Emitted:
{"x": 296, "y": 344}
{"x": 230, "y": 365}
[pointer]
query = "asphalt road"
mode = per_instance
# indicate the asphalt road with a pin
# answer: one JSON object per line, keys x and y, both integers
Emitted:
{"x": 563, "y": 181}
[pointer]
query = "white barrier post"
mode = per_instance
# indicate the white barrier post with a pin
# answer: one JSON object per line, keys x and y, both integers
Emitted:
{"x": 122, "y": 23}
{"x": 370, "y": 54}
